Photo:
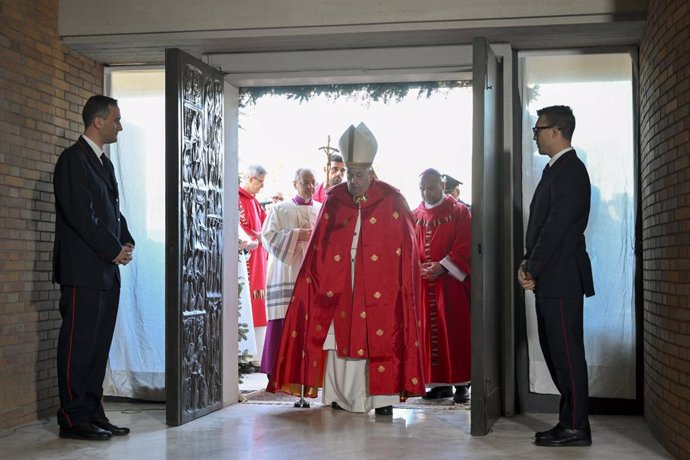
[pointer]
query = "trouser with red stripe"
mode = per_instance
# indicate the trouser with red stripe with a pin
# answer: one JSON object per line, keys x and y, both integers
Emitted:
{"x": 560, "y": 325}
{"x": 88, "y": 323}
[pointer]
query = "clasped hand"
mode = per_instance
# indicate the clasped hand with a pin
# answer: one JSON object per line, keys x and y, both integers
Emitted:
{"x": 304, "y": 234}
{"x": 431, "y": 270}
{"x": 526, "y": 280}
{"x": 249, "y": 245}
{"x": 125, "y": 255}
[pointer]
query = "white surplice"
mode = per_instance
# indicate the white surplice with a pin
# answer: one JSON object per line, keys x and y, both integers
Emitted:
{"x": 279, "y": 234}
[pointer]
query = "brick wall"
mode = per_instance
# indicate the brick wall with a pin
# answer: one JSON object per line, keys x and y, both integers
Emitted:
{"x": 43, "y": 86}
{"x": 665, "y": 176}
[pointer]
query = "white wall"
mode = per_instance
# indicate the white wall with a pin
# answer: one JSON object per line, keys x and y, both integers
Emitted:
{"x": 230, "y": 346}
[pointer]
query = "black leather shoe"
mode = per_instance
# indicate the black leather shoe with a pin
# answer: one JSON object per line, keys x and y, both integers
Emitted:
{"x": 561, "y": 437}
{"x": 115, "y": 430}
{"x": 336, "y": 406}
{"x": 462, "y": 394}
{"x": 85, "y": 430}
{"x": 547, "y": 433}
{"x": 439, "y": 392}
{"x": 386, "y": 410}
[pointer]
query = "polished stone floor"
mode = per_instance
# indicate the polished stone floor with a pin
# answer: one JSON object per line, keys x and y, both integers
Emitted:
{"x": 279, "y": 431}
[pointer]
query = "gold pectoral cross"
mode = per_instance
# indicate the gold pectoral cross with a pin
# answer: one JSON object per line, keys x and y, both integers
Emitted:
{"x": 359, "y": 199}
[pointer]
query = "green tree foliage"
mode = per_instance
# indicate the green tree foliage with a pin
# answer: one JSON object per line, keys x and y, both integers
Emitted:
{"x": 373, "y": 92}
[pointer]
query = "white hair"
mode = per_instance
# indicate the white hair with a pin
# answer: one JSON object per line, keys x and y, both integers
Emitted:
{"x": 256, "y": 170}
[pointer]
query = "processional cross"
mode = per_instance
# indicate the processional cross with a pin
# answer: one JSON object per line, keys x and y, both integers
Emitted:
{"x": 328, "y": 150}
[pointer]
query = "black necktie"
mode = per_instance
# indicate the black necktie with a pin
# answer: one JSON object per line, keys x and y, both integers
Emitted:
{"x": 546, "y": 168}
{"x": 108, "y": 168}
{"x": 107, "y": 164}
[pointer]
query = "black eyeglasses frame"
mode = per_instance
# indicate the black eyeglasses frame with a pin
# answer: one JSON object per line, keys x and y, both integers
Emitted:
{"x": 536, "y": 129}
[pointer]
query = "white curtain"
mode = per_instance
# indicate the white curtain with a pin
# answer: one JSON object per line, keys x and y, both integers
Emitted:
{"x": 599, "y": 90}
{"x": 136, "y": 367}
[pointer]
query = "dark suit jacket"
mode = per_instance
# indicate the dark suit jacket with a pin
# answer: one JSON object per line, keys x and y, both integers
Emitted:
{"x": 556, "y": 252}
{"x": 89, "y": 228}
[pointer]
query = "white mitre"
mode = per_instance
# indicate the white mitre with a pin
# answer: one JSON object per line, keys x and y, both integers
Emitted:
{"x": 358, "y": 146}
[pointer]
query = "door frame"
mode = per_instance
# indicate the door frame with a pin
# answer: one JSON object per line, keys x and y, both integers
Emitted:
{"x": 487, "y": 132}
{"x": 505, "y": 400}
{"x": 527, "y": 401}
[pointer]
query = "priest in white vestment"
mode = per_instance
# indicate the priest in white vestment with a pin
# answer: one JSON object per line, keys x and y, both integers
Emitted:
{"x": 285, "y": 235}
{"x": 247, "y": 344}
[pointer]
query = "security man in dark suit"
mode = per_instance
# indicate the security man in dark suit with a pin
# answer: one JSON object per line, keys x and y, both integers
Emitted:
{"x": 91, "y": 242}
{"x": 557, "y": 268}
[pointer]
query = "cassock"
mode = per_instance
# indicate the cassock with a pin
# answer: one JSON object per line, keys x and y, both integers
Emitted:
{"x": 252, "y": 217}
{"x": 280, "y": 238}
{"x": 444, "y": 235}
{"x": 375, "y": 315}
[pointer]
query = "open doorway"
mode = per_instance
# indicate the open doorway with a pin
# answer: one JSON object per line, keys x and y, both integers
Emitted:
{"x": 415, "y": 132}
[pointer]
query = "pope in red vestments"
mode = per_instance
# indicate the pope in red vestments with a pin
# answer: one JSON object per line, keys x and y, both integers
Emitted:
{"x": 375, "y": 314}
{"x": 252, "y": 217}
{"x": 443, "y": 229}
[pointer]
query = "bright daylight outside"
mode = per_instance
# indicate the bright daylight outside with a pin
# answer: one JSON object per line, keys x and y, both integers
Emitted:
{"x": 417, "y": 132}
{"x": 413, "y": 134}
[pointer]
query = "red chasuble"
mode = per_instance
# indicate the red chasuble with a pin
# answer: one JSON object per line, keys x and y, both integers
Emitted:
{"x": 252, "y": 217}
{"x": 379, "y": 319}
{"x": 445, "y": 231}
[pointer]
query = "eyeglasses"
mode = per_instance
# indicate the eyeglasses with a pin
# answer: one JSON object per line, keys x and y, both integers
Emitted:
{"x": 260, "y": 180}
{"x": 536, "y": 129}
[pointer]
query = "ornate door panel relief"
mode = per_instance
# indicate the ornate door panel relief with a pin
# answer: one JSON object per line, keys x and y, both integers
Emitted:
{"x": 194, "y": 237}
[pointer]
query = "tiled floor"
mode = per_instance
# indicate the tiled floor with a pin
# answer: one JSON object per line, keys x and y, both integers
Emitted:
{"x": 279, "y": 431}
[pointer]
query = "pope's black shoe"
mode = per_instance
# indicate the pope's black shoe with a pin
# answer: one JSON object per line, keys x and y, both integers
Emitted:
{"x": 336, "y": 406}
{"x": 386, "y": 410}
{"x": 85, "y": 430}
{"x": 462, "y": 394}
{"x": 439, "y": 392}
{"x": 561, "y": 437}
{"x": 115, "y": 430}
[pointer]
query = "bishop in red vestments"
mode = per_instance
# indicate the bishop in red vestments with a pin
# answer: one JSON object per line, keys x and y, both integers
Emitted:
{"x": 252, "y": 217}
{"x": 354, "y": 314}
{"x": 443, "y": 229}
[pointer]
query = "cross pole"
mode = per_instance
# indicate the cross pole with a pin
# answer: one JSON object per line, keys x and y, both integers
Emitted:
{"x": 328, "y": 150}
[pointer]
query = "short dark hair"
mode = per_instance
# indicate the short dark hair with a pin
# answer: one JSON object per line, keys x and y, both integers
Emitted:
{"x": 560, "y": 116}
{"x": 97, "y": 106}
{"x": 336, "y": 158}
